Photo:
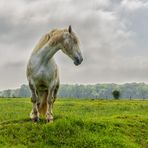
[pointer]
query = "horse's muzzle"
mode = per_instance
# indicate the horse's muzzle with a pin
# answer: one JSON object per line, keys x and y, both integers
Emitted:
{"x": 78, "y": 61}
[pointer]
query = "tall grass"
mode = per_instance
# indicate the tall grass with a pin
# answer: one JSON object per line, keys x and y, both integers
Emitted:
{"x": 77, "y": 123}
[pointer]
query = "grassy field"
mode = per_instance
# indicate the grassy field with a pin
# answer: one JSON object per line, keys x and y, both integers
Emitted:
{"x": 78, "y": 123}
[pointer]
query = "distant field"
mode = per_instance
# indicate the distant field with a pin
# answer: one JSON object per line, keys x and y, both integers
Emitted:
{"x": 78, "y": 123}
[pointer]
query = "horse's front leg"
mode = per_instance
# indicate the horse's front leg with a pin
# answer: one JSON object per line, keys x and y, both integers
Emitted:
{"x": 49, "y": 113}
{"x": 34, "y": 115}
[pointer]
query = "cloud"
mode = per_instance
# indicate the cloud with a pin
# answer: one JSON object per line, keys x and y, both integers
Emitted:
{"x": 133, "y": 5}
{"x": 113, "y": 40}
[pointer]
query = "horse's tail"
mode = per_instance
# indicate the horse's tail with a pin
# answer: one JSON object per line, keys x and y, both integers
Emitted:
{"x": 42, "y": 108}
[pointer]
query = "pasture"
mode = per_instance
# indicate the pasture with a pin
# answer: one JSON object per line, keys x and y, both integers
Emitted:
{"x": 77, "y": 124}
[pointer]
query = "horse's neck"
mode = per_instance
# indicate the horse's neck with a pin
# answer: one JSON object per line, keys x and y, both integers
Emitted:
{"x": 46, "y": 53}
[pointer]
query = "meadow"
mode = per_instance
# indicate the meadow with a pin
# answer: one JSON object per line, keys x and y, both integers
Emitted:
{"x": 77, "y": 124}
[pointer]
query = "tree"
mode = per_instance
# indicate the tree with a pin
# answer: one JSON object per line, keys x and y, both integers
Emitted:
{"x": 116, "y": 94}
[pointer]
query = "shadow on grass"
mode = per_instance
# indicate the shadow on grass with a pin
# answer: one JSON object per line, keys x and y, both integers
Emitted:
{"x": 15, "y": 121}
{"x": 28, "y": 120}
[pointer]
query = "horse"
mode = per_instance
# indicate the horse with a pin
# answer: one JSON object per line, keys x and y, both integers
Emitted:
{"x": 42, "y": 70}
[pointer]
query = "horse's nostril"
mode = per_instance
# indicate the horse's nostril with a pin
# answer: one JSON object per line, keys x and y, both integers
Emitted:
{"x": 78, "y": 61}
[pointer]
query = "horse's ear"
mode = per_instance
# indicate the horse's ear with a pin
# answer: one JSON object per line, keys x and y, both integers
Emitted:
{"x": 70, "y": 29}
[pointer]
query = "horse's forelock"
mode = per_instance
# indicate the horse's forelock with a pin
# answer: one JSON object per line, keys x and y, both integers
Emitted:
{"x": 56, "y": 36}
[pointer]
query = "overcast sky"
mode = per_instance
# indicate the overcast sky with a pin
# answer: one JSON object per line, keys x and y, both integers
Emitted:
{"x": 113, "y": 35}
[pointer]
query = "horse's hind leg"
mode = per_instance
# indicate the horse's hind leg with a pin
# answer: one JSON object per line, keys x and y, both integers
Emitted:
{"x": 34, "y": 99}
{"x": 55, "y": 92}
{"x": 42, "y": 106}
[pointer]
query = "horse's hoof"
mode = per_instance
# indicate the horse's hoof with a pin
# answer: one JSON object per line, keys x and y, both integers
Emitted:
{"x": 49, "y": 120}
{"x": 36, "y": 119}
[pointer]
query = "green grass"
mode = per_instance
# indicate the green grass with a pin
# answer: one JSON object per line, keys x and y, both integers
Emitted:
{"x": 78, "y": 123}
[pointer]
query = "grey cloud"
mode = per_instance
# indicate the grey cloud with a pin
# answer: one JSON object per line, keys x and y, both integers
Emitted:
{"x": 112, "y": 39}
{"x": 12, "y": 65}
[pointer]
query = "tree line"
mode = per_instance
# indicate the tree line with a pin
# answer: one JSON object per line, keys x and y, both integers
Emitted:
{"x": 97, "y": 91}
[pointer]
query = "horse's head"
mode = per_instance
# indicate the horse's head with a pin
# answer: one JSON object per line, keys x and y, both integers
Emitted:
{"x": 71, "y": 46}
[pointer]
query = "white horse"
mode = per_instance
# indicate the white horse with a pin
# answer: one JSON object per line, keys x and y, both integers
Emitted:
{"x": 42, "y": 71}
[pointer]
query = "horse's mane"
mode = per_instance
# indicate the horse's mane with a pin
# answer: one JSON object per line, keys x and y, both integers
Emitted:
{"x": 54, "y": 36}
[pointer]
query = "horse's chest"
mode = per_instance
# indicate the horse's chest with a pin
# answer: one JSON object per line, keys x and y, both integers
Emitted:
{"x": 43, "y": 74}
